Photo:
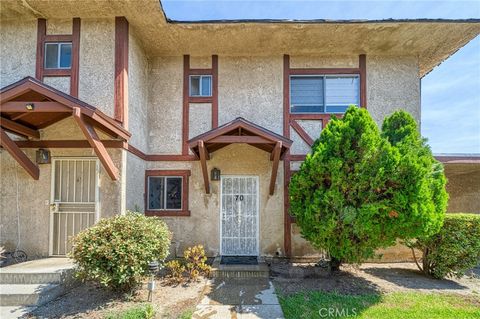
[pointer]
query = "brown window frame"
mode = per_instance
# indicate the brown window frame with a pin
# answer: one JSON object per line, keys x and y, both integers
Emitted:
{"x": 184, "y": 174}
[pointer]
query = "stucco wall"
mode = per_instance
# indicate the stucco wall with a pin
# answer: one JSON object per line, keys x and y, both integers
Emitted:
{"x": 202, "y": 227}
{"x": 17, "y": 58}
{"x": 97, "y": 63}
{"x": 463, "y": 186}
{"x": 392, "y": 83}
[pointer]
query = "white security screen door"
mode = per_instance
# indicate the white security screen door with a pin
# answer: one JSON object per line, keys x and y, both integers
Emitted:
{"x": 239, "y": 216}
{"x": 74, "y": 201}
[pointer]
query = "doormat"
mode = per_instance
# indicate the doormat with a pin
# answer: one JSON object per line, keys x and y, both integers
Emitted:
{"x": 239, "y": 260}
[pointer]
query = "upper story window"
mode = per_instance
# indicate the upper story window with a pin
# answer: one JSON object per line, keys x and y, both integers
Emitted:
{"x": 200, "y": 85}
{"x": 58, "y": 55}
{"x": 323, "y": 93}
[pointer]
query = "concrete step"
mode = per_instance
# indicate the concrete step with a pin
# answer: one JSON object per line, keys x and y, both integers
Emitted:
{"x": 40, "y": 271}
{"x": 239, "y": 271}
{"x": 29, "y": 295}
{"x": 34, "y": 278}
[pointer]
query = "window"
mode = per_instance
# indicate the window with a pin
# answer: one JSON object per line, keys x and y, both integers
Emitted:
{"x": 58, "y": 55}
{"x": 200, "y": 85}
{"x": 166, "y": 193}
{"x": 323, "y": 93}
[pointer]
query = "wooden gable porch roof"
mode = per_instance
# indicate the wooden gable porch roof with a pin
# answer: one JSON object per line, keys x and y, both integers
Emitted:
{"x": 29, "y": 105}
{"x": 240, "y": 131}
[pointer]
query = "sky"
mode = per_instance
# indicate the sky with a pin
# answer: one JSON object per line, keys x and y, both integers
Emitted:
{"x": 450, "y": 93}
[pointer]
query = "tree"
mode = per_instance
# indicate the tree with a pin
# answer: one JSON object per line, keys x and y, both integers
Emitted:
{"x": 357, "y": 191}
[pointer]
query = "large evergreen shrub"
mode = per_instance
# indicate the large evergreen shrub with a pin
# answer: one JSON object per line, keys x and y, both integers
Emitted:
{"x": 116, "y": 251}
{"x": 361, "y": 190}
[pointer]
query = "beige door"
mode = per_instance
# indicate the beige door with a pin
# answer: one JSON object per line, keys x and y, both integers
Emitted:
{"x": 74, "y": 200}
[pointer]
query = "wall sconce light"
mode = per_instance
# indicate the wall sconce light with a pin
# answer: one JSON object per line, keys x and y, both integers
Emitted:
{"x": 43, "y": 156}
{"x": 215, "y": 174}
{"x": 30, "y": 106}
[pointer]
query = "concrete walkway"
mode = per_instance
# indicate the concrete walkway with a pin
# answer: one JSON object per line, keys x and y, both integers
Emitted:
{"x": 239, "y": 298}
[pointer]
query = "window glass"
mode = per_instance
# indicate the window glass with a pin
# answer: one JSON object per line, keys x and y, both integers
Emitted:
{"x": 306, "y": 94}
{"x": 174, "y": 193}
{"x": 156, "y": 192}
{"x": 51, "y": 55}
{"x": 341, "y": 92}
{"x": 194, "y": 86}
{"x": 206, "y": 85}
{"x": 65, "y": 55}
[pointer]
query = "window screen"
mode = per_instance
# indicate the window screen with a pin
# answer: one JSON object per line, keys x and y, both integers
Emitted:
{"x": 323, "y": 93}
{"x": 58, "y": 55}
{"x": 200, "y": 85}
{"x": 164, "y": 193}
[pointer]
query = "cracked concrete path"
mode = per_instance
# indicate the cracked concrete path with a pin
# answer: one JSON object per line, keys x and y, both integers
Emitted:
{"x": 239, "y": 298}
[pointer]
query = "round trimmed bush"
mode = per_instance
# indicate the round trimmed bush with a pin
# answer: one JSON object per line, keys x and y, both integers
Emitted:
{"x": 116, "y": 251}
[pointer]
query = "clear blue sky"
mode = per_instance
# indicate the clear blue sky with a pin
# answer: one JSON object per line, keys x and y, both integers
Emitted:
{"x": 450, "y": 93}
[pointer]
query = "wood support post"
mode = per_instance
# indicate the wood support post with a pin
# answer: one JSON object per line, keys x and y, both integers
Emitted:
{"x": 203, "y": 162}
{"x": 276, "y": 160}
{"x": 18, "y": 155}
{"x": 18, "y": 128}
{"x": 96, "y": 144}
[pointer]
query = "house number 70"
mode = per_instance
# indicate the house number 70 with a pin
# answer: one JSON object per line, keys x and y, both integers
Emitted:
{"x": 238, "y": 197}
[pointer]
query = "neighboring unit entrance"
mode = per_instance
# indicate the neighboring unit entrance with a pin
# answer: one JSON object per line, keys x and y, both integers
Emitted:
{"x": 239, "y": 216}
{"x": 74, "y": 200}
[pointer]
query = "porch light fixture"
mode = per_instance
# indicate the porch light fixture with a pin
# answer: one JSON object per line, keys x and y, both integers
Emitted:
{"x": 30, "y": 106}
{"x": 215, "y": 174}
{"x": 43, "y": 156}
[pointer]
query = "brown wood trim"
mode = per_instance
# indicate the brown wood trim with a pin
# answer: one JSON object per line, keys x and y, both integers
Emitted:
{"x": 41, "y": 33}
{"x": 303, "y": 134}
{"x": 229, "y": 139}
{"x": 185, "y": 174}
{"x": 75, "y": 68}
{"x": 200, "y": 99}
{"x": 186, "y": 104}
{"x": 320, "y": 71}
{"x": 203, "y": 162}
{"x": 170, "y": 158}
{"x": 310, "y": 116}
{"x": 121, "y": 71}
{"x": 200, "y": 72}
{"x": 297, "y": 157}
{"x": 214, "y": 91}
{"x": 56, "y": 72}
{"x": 287, "y": 240}
{"x": 18, "y": 155}
{"x": 20, "y": 106}
{"x": 18, "y": 128}
{"x": 362, "y": 64}
{"x": 58, "y": 38}
{"x": 276, "y": 160}
{"x": 67, "y": 144}
{"x": 96, "y": 144}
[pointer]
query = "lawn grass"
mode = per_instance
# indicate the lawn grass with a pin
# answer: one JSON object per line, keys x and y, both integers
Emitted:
{"x": 144, "y": 311}
{"x": 400, "y": 305}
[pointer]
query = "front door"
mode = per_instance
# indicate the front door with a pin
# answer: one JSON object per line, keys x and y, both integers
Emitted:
{"x": 239, "y": 216}
{"x": 74, "y": 201}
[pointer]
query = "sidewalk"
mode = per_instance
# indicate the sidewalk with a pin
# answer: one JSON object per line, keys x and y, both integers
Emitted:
{"x": 239, "y": 298}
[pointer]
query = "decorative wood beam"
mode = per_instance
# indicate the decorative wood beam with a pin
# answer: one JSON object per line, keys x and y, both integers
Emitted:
{"x": 19, "y": 116}
{"x": 19, "y": 128}
{"x": 303, "y": 134}
{"x": 75, "y": 69}
{"x": 21, "y": 106}
{"x": 18, "y": 155}
{"x": 203, "y": 162}
{"x": 41, "y": 33}
{"x": 226, "y": 139}
{"x": 276, "y": 160}
{"x": 214, "y": 91}
{"x": 67, "y": 144}
{"x": 96, "y": 144}
{"x": 324, "y": 71}
{"x": 185, "y": 104}
{"x": 362, "y": 64}
{"x": 121, "y": 70}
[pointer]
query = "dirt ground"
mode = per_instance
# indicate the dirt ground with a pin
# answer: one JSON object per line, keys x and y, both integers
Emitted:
{"x": 369, "y": 278}
{"x": 91, "y": 301}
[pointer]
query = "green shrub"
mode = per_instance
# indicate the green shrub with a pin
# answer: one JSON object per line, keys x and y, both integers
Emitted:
{"x": 145, "y": 311}
{"x": 361, "y": 189}
{"x": 453, "y": 250}
{"x": 116, "y": 251}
